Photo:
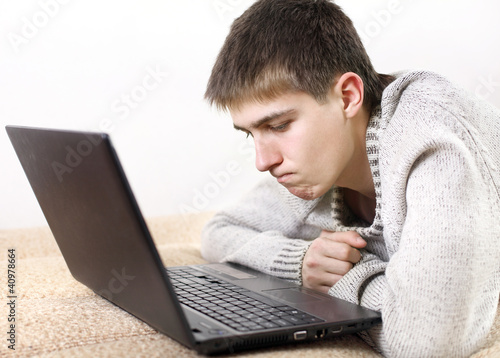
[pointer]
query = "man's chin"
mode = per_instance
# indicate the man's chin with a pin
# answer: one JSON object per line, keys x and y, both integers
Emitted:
{"x": 303, "y": 193}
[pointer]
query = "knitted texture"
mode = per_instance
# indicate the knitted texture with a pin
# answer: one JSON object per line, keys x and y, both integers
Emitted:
{"x": 431, "y": 265}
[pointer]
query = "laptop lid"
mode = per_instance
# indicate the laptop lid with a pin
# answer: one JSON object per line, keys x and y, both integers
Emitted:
{"x": 61, "y": 166}
{"x": 91, "y": 210}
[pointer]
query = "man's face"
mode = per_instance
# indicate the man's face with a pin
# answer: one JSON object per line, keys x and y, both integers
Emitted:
{"x": 306, "y": 145}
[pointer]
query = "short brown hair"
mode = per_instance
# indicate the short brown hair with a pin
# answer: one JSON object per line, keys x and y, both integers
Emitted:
{"x": 278, "y": 46}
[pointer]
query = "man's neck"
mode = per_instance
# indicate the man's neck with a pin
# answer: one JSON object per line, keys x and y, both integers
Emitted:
{"x": 360, "y": 177}
{"x": 362, "y": 206}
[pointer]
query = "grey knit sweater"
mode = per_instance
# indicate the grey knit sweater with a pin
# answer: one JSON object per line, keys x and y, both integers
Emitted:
{"x": 432, "y": 263}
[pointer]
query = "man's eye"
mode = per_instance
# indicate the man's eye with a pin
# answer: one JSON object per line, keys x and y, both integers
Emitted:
{"x": 280, "y": 127}
{"x": 248, "y": 134}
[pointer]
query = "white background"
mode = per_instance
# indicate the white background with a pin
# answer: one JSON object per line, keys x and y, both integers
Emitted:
{"x": 82, "y": 65}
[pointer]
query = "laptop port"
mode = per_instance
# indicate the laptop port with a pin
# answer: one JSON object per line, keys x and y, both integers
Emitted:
{"x": 320, "y": 333}
{"x": 300, "y": 335}
{"x": 336, "y": 330}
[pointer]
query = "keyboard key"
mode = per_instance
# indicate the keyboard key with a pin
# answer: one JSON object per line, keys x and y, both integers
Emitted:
{"x": 294, "y": 320}
{"x": 282, "y": 323}
{"x": 269, "y": 325}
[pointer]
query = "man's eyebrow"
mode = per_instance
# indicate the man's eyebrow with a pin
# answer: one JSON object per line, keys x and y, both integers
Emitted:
{"x": 265, "y": 119}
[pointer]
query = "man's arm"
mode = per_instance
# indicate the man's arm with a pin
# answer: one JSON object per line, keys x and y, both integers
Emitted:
{"x": 439, "y": 292}
{"x": 270, "y": 231}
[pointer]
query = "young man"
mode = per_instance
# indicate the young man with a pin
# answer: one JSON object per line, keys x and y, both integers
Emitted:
{"x": 386, "y": 189}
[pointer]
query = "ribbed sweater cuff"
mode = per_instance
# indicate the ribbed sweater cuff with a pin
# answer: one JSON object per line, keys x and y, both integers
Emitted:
{"x": 356, "y": 286}
{"x": 288, "y": 263}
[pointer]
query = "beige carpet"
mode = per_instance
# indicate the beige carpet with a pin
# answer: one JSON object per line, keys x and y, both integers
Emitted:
{"x": 58, "y": 317}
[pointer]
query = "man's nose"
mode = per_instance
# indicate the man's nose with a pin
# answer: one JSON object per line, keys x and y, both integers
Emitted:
{"x": 267, "y": 155}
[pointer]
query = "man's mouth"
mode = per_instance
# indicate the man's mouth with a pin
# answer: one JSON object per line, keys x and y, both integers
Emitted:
{"x": 283, "y": 179}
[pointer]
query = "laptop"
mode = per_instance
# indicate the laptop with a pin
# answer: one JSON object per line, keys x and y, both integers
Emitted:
{"x": 211, "y": 308}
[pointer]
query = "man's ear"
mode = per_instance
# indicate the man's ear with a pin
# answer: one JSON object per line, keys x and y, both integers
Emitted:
{"x": 350, "y": 88}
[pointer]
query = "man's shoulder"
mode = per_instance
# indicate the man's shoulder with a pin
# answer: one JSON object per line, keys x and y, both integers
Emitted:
{"x": 426, "y": 85}
{"x": 423, "y": 108}
{"x": 425, "y": 96}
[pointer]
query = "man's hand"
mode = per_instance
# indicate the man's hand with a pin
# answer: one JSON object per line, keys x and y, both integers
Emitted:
{"x": 330, "y": 257}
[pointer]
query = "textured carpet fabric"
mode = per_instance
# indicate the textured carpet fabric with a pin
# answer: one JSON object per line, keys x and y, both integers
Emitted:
{"x": 56, "y": 316}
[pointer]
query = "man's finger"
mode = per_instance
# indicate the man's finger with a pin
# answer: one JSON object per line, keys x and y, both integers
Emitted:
{"x": 323, "y": 283}
{"x": 332, "y": 250}
{"x": 350, "y": 238}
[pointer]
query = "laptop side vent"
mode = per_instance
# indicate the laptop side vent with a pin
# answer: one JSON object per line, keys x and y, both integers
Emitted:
{"x": 258, "y": 342}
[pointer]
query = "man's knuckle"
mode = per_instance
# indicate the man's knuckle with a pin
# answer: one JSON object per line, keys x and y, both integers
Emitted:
{"x": 306, "y": 277}
{"x": 310, "y": 263}
{"x": 346, "y": 267}
{"x": 343, "y": 252}
{"x": 316, "y": 244}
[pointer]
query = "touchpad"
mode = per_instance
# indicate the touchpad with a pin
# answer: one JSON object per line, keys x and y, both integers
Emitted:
{"x": 292, "y": 295}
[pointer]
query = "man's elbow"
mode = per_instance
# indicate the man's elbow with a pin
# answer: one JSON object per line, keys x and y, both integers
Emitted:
{"x": 450, "y": 342}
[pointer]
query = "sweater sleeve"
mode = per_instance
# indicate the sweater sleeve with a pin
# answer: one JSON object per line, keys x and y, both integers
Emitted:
{"x": 438, "y": 293}
{"x": 266, "y": 231}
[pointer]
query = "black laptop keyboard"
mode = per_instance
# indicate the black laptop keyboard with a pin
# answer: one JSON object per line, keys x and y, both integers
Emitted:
{"x": 231, "y": 304}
